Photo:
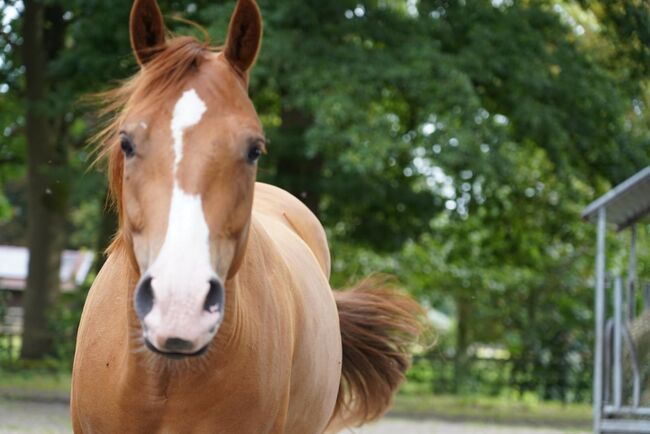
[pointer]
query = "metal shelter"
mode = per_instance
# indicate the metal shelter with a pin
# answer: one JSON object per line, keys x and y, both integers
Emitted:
{"x": 617, "y": 407}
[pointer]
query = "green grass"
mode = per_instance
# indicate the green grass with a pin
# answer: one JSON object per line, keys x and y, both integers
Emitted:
{"x": 34, "y": 383}
{"x": 528, "y": 411}
{"x": 43, "y": 379}
{"x": 10, "y": 346}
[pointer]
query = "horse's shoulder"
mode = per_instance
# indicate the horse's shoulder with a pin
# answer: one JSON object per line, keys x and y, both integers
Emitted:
{"x": 283, "y": 206}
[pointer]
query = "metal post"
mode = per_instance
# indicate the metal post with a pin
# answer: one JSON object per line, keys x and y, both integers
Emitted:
{"x": 600, "y": 319}
{"x": 618, "y": 347}
{"x": 631, "y": 277}
{"x": 632, "y": 285}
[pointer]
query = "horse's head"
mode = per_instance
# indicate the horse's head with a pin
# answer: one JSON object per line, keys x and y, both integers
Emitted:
{"x": 185, "y": 163}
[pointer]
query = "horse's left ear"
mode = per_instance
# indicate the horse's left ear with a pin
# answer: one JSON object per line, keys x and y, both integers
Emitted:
{"x": 244, "y": 36}
{"x": 147, "y": 30}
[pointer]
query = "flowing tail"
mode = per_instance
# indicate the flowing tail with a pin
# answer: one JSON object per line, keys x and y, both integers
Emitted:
{"x": 379, "y": 328}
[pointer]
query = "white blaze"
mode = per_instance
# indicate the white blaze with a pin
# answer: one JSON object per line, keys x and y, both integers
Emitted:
{"x": 182, "y": 270}
{"x": 187, "y": 113}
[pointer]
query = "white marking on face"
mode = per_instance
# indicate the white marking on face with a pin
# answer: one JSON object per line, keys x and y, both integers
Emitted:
{"x": 187, "y": 113}
{"x": 182, "y": 270}
{"x": 144, "y": 125}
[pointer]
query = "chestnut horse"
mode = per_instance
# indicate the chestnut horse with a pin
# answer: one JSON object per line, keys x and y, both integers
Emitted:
{"x": 213, "y": 312}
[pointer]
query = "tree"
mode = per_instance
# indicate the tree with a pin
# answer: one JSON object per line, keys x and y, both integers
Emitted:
{"x": 43, "y": 30}
{"x": 43, "y": 74}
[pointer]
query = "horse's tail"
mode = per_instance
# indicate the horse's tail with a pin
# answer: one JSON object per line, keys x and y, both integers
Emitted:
{"x": 379, "y": 328}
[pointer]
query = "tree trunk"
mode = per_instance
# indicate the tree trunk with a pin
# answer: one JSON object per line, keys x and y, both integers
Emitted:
{"x": 47, "y": 191}
{"x": 297, "y": 174}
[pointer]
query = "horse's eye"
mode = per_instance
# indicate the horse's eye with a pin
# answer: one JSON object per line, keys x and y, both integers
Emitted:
{"x": 127, "y": 146}
{"x": 254, "y": 154}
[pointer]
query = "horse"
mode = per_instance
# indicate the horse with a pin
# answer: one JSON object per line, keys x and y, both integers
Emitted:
{"x": 213, "y": 312}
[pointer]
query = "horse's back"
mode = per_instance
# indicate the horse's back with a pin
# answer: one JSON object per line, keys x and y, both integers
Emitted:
{"x": 286, "y": 208}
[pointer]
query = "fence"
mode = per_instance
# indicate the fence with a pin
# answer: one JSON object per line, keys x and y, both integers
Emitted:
{"x": 11, "y": 325}
{"x": 624, "y": 378}
{"x": 618, "y": 363}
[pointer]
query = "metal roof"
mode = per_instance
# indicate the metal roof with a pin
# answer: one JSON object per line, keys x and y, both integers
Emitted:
{"x": 625, "y": 204}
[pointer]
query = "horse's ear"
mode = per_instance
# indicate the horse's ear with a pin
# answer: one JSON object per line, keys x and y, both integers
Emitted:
{"x": 147, "y": 30}
{"x": 244, "y": 36}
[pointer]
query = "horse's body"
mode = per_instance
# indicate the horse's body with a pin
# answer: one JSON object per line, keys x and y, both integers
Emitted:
{"x": 229, "y": 276}
{"x": 277, "y": 369}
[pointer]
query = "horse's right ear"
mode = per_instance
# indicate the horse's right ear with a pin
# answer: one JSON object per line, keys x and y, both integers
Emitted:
{"x": 147, "y": 30}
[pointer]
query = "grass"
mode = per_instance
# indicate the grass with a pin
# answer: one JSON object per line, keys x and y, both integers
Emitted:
{"x": 38, "y": 380}
{"x": 528, "y": 411}
{"x": 34, "y": 383}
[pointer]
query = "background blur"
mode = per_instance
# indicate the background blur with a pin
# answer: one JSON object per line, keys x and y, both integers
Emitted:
{"x": 450, "y": 143}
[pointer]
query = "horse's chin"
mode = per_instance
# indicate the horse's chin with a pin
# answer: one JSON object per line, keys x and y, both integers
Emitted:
{"x": 175, "y": 355}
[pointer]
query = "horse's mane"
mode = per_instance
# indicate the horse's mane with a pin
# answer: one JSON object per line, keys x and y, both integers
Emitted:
{"x": 162, "y": 78}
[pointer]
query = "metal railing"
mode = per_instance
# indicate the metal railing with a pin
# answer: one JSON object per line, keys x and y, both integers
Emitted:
{"x": 623, "y": 379}
{"x": 619, "y": 375}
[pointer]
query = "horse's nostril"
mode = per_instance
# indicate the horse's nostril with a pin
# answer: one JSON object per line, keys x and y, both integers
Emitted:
{"x": 177, "y": 344}
{"x": 214, "y": 299}
{"x": 144, "y": 297}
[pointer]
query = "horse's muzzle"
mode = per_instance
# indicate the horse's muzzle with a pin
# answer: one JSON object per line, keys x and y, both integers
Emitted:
{"x": 179, "y": 318}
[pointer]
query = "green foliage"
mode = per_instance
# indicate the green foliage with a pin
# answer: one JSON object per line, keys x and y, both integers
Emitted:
{"x": 8, "y": 347}
{"x": 64, "y": 324}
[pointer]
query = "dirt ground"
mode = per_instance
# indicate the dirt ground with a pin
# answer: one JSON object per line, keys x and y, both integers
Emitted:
{"x": 18, "y": 417}
{"x": 22, "y": 417}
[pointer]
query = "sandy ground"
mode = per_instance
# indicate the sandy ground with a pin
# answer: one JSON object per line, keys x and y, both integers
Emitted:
{"x": 18, "y": 417}
{"x": 22, "y": 417}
